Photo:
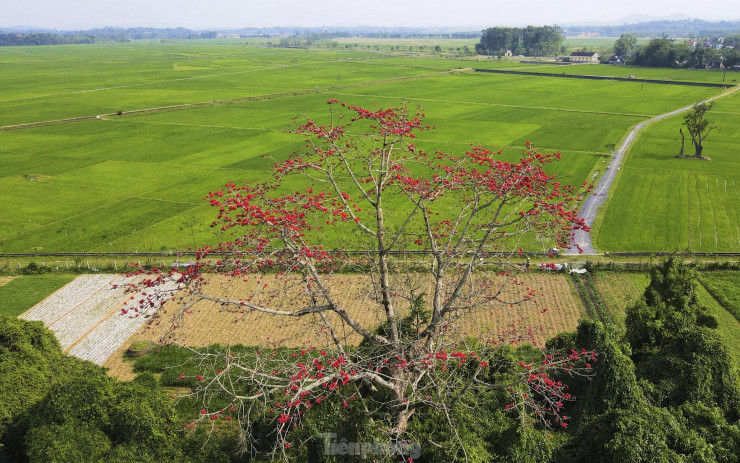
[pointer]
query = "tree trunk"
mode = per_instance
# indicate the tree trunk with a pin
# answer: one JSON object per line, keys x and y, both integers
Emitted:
{"x": 400, "y": 413}
{"x": 697, "y": 154}
{"x": 683, "y": 142}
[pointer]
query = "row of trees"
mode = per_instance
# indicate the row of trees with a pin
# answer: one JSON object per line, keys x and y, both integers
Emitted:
{"x": 7, "y": 40}
{"x": 667, "y": 52}
{"x": 530, "y": 41}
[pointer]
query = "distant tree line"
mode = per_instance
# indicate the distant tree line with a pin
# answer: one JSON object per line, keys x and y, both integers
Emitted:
{"x": 142, "y": 33}
{"x": 681, "y": 28}
{"x": 16, "y": 39}
{"x": 530, "y": 41}
{"x": 667, "y": 52}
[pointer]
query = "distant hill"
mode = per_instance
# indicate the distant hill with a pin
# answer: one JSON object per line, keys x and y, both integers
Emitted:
{"x": 677, "y": 25}
{"x": 656, "y": 28}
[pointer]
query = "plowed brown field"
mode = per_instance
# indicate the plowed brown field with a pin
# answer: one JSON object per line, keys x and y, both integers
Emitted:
{"x": 553, "y": 309}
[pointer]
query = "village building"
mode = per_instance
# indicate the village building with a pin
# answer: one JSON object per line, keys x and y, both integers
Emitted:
{"x": 582, "y": 57}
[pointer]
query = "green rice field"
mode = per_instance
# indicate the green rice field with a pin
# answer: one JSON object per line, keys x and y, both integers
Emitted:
{"x": 135, "y": 182}
{"x": 665, "y": 203}
{"x": 24, "y": 292}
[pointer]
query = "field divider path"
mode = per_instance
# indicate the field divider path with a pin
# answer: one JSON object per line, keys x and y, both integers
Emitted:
{"x": 597, "y": 198}
{"x": 503, "y": 105}
{"x": 600, "y": 77}
{"x": 60, "y": 298}
{"x": 203, "y": 104}
{"x": 90, "y": 330}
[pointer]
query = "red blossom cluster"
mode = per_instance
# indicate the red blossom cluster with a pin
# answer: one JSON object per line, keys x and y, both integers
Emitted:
{"x": 370, "y": 185}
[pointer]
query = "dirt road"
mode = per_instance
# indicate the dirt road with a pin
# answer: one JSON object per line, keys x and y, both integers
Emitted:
{"x": 600, "y": 193}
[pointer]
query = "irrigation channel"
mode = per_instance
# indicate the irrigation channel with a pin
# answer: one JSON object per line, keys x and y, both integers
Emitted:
{"x": 599, "y": 195}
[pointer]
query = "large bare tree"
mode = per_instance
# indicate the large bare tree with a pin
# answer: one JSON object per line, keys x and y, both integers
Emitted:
{"x": 431, "y": 236}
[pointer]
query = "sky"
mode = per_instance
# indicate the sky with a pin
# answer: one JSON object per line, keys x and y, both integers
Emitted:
{"x": 213, "y": 14}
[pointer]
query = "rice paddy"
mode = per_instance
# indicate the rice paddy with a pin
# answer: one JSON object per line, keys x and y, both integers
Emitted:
{"x": 134, "y": 182}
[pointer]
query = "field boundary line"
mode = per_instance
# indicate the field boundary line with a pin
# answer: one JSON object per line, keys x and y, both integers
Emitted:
{"x": 477, "y": 103}
{"x": 203, "y": 104}
{"x": 600, "y": 194}
{"x": 78, "y": 304}
{"x": 100, "y": 322}
{"x": 597, "y": 77}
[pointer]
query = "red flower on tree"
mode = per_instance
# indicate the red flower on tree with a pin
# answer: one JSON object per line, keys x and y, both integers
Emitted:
{"x": 378, "y": 199}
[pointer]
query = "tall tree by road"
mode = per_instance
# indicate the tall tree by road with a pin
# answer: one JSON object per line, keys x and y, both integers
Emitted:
{"x": 698, "y": 127}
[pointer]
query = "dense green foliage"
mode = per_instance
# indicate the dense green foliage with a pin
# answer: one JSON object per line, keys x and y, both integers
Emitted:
{"x": 666, "y": 391}
{"x": 7, "y": 40}
{"x": 530, "y": 40}
{"x": 681, "y": 381}
{"x": 676, "y": 346}
{"x": 57, "y": 408}
{"x": 667, "y": 52}
{"x": 625, "y": 45}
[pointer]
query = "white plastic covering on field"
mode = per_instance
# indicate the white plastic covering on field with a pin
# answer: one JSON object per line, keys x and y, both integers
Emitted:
{"x": 86, "y": 317}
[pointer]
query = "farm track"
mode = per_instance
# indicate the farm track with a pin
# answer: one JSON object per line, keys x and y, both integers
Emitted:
{"x": 269, "y": 96}
{"x": 599, "y": 195}
{"x": 477, "y": 103}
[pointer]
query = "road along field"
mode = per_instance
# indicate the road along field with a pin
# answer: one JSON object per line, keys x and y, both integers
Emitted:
{"x": 136, "y": 182}
{"x": 660, "y": 202}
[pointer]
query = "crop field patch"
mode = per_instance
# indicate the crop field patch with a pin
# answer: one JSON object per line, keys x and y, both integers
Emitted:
{"x": 664, "y": 203}
{"x": 728, "y": 325}
{"x": 61, "y": 181}
{"x": 86, "y": 314}
{"x": 19, "y": 294}
{"x": 208, "y": 323}
{"x": 620, "y": 291}
{"x": 724, "y": 286}
{"x": 545, "y": 93}
{"x": 100, "y": 226}
{"x": 86, "y": 317}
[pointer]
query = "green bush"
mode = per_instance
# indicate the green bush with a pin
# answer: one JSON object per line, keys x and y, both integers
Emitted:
{"x": 56, "y": 408}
